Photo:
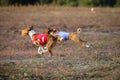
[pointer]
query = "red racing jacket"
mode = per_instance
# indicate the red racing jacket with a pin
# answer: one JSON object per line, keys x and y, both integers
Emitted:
{"x": 41, "y": 37}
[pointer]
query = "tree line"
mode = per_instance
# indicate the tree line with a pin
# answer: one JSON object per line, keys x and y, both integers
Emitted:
{"x": 94, "y": 3}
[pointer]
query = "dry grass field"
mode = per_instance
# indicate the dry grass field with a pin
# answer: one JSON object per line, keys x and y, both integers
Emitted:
{"x": 19, "y": 59}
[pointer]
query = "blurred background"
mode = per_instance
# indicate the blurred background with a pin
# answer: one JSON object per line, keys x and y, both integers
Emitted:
{"x": 76, "y": 3}
{"x": 100, "y": 23}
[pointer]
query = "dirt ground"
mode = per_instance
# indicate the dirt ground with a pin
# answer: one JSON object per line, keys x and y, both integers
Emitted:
{"x": 19, "y": 59}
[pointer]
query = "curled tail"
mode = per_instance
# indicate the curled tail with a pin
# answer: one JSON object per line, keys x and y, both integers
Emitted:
{"x": 79, "y": 30}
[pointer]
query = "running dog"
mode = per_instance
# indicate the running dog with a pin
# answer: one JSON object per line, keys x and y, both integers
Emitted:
{"x": 64, "y": 36}
{"x": 40, "y": 40}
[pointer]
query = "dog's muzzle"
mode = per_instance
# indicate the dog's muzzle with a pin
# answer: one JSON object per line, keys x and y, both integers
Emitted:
{"x": 61, "y": 39}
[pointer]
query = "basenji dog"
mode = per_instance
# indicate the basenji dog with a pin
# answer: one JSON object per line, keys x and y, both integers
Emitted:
{"x": 64, "y": 36}
{"x": 45, "y": 42}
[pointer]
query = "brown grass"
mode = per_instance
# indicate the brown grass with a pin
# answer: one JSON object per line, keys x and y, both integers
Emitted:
{"x": 19, "y": 58}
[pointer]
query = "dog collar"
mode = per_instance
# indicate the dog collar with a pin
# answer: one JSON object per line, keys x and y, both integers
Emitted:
{"x": 31, "y": 33}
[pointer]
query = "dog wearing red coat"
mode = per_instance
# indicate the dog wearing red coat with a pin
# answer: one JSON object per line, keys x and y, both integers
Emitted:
{"x": 40, "y": 40}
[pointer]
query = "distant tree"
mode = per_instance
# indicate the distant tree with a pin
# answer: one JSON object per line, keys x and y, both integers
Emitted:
{"x": 104, "y": 3}
{"x": 23, "y": 2}
{"x": 42, "y": 2}
{"x": 59, "y": 2}
{"x": 71, "y": 2}
{"x": 85, "y": 2}
{"x": 98, "y": 3}
{"x": 4, "y": 2}
{"x": 112, "y": 3}
{"x": 117, "y": 3}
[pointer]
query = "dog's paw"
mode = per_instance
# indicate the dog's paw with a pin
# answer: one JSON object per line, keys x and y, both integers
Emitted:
{"x": 40, "y": 52}
{"x": 45, "y": 50}
{"x": 88, "y": 44}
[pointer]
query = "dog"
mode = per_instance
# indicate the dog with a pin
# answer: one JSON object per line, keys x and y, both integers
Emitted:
{"x": 40, "y": 40}
{"x": 63, "y": 36}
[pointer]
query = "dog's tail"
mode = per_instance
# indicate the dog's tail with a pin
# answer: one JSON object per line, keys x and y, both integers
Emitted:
{"x": 79, "y": 30}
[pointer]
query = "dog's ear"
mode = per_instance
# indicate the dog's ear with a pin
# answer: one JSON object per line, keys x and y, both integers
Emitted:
{"x": 46, "y": 31}
{"x": 54, "y": 30}
{"x": 79, "y": 30}
{"x": 30, "y": 27}
{"x": 49, "y": 31}
{"x": 49, "y": 28}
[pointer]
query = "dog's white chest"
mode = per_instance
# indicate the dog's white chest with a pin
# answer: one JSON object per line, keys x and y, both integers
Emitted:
{"x": 31, "y": 33}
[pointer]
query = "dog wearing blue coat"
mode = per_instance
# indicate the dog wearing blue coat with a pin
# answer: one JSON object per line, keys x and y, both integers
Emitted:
{"x": 64, "y": 36}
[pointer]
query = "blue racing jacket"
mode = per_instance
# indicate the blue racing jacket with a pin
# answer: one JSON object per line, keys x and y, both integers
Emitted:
{"x": 64, "y": 35}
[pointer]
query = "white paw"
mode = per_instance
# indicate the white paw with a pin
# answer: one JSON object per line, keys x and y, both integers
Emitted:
{"x": 88, "y": 44}
{"x": 40, "y": 52}
{"x": 45, "y": 50}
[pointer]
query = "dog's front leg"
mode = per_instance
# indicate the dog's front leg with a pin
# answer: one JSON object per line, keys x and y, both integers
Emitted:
{"x": 77, "y": 40}
{"x": 51, "y": 54}
{"x": 40, "y": 50}
{"x": 37, "y": 42}
{"x": 49, "y": 46}
{"x": 44, "y": 49}
{"x": 40, "y": 47}
{"x": 88, "y": 44}
{"x": 51, "y": 43}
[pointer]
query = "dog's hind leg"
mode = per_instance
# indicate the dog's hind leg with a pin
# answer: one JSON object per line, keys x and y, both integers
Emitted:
{"x": 77, "y": 40}
{"x": 80, "y": 42}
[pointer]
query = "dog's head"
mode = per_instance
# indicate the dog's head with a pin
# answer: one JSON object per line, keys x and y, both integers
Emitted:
{"x": 26, "y": 30}
{"x": 50, "y": 31}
